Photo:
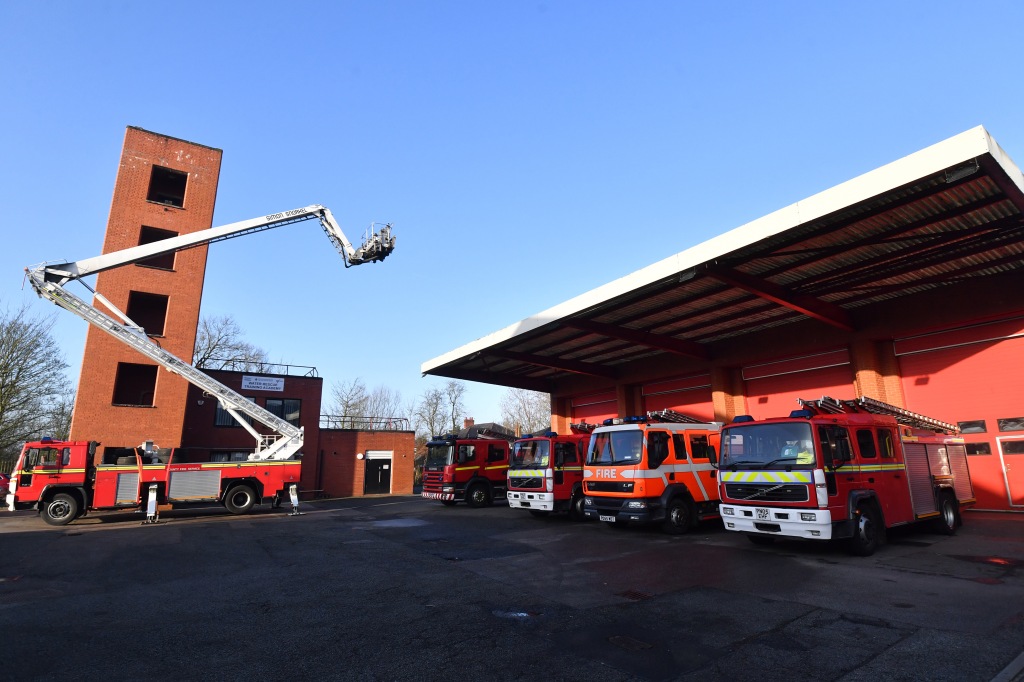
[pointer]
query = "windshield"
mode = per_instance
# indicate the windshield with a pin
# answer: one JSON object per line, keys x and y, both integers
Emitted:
{"x": 759, "y": 446}
{"x": 615, "y": 447}
{"x": 531, "y": 453}
{"x": 438, "y": 455}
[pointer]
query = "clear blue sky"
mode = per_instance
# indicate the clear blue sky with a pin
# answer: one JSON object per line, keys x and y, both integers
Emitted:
{"x": 525, "y": 151}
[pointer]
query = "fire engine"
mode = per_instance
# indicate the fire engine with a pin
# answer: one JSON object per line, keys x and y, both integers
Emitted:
{"x": 844, "y": 469}
{"x": 653, "y": 468}
{"x": 470, "y": 465}
{"x": 545, "y": 472}
{"x": 62, "y": 480}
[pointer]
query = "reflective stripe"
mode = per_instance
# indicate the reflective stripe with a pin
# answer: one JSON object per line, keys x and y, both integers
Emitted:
{"x": 766, "y": 477}
{"x": 538, "y": 473}
{"x": 466, "y": 468}
{"x": 497, "y": 466}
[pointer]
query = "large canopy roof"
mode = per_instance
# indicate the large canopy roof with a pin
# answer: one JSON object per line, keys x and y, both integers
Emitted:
{"x": 945, "y": 214}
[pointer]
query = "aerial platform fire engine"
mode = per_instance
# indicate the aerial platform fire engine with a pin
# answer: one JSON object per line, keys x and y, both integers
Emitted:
{"x": 842, "y": 469}
{"x": 62, "y": 479}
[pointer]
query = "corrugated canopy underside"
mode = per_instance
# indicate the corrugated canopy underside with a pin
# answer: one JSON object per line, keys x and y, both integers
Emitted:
{"x": 945, "y": 214}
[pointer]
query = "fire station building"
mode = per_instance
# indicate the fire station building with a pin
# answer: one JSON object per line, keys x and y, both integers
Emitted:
{"x": 905, "y": 284}
{"x": 167, "y": 187}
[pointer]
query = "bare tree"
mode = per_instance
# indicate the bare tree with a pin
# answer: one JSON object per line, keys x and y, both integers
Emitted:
{"x": 456, "y": 408}
{"x": 429, "y": 415}
{"x": 351, "y": 404}
{"x": 526, "y": 411}
{"x": 219, "y": 345}
{"x": 32, "y": 378}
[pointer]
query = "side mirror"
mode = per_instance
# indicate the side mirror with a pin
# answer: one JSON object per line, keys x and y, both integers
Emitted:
{"x": 559, "y": 459}
{"x": 712, "y": 456}
{"x": 462, "y": 456}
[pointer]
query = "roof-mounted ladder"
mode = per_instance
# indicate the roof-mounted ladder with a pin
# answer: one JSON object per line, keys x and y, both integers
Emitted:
{"x": 827, "y": 405}
{"x": 674, "y": 417}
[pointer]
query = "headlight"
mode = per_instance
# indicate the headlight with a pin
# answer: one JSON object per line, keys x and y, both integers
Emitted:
{"x": 804, "y": 516}
{"x": 448, "y": 489}
{"x": 636, "y": 504}
{"x": 729, "y": 511}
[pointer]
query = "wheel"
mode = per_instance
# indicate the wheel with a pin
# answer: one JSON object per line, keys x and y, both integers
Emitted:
{"x": 60, "y": 510}
{"x": 448, "y": 503}
{"x": 539, "y": 513}
{"x": 949, "y": 515}
{"x": 761, "y": 539}
{"x": 678, "y": 517}
{"x": 867, "y": 533}
{"x": 240, "y": 499}
{"x": 478, "y": 496}
{"x": 576, "y": 507}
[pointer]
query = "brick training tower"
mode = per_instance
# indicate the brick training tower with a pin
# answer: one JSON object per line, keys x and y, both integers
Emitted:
{"x": 164, "y": 187}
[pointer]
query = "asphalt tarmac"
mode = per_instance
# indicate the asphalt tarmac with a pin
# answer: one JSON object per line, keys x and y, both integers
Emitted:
{"x": 400, "y": 588}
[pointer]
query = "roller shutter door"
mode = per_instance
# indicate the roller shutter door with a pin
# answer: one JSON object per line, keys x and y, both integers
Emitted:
{"x": 772, "y": 388}
{"x": 973, "y": 375}
{"x": 690, "y": 396}
{"x": 594, "y": 408}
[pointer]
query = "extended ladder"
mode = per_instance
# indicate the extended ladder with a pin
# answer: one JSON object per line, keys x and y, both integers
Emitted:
{"x": 270, "y": 447}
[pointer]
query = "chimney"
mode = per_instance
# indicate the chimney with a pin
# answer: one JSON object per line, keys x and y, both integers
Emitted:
{"x": 467, "y": 422}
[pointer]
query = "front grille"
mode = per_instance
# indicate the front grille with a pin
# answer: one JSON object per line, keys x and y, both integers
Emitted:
{"x": 609, "y": 487}
{"x": 526, "y": 482}
{"x": 767, "y": 492}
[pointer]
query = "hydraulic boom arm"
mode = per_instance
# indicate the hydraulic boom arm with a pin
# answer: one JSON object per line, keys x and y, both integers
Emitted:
{"x": 49, "y": 280}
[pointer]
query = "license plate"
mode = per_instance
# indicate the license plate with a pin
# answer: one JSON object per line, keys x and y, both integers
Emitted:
{"x": 762, "y": 513}
{"x": 609, "y": 519}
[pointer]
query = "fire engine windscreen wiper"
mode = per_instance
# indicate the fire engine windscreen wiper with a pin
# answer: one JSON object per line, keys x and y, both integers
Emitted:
{"x": 733, "y": 465}
{"x": 778, "y": 459}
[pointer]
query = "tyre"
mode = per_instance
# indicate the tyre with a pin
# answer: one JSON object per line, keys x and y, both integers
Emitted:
{"x": 867, "y": 531}
{"x": 576, "y": 507}
{"x": 60, "y": 510}
{"x": 539, "y": 513}
{"x": 240, "y": 499}
{"x": 478, "y": 495}
{"x": 949, "y": 515}
{"x": 678, "y": 517}
{"x": 762, "y": 540}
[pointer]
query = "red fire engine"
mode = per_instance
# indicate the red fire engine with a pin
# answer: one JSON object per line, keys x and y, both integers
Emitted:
{"x": 654, "y": 468}
{"x": 470, "y": 466}
{"x": 842, "y": 469}
{"x": 545, "y": 472}
{"x": 62, "y": 481}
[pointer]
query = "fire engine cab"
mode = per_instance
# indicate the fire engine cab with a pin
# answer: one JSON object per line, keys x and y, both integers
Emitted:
{"x": 468, "y": 466}
{"x": 842, "y": 469}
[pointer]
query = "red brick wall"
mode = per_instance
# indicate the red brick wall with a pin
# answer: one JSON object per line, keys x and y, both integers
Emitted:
{"x": 342, "y": 473}
{"x": 95, "y": 418}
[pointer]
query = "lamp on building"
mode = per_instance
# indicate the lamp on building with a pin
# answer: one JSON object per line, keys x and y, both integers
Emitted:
{"x": 359, "y": 455}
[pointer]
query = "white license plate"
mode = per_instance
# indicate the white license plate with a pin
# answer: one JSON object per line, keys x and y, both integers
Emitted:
{"x": 609, "y": 519}
{"x": 762, "y": 513}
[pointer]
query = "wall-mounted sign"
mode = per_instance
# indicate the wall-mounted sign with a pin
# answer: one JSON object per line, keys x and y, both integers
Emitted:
{"x": 250, "y": 383}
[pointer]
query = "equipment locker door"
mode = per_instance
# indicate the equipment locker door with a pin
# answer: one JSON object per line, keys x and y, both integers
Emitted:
{"x": 1011, "y": 456}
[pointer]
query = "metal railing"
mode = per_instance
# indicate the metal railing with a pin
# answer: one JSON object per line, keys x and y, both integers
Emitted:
{"x": 364, "y": 423}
